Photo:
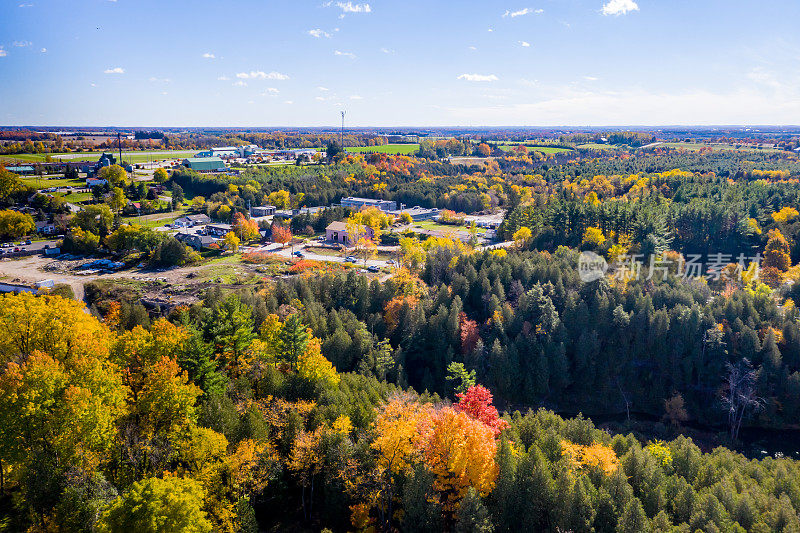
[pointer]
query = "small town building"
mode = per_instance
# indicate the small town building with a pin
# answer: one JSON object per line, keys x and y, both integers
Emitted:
{"x": 337, "y": 232}
{"x": 196, "y": 240}
{"x": 358, "y": 203}
{"x": 45, "y": 228}
{"x": 219, "y": 230}
{"x": 417, "y": 213}
{"x": 262, "y": 210}
{"x": 25, "y": 169}
{"x": 95, "y": 182}
{"x": 205, "y": 164}
{"x": 190, "y": 221}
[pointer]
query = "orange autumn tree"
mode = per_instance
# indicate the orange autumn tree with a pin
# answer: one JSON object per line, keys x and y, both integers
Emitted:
{"x": 458, "y": 449}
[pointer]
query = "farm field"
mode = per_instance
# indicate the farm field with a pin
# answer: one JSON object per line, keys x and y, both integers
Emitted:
{"x": 133, "y": 156}
{"x": 403, "y": 149}
{"x": 596, "y": 146}
{"x": 543, "y": 149}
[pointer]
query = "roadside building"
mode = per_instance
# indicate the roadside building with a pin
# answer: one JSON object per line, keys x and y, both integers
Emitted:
{"x": 196, "y": 240}
{"x": 45, "y": 228}
{"x": 358, "y": 203}
{"x": 25, "y": 169}
{"x": 337, "y": 232}
{"x": 262, "y": 211}
{"x": 205, "y": 164}
{"x": 218, "y": 230}
{"x": 190, "y": 221}
{"x": 95, "y": 182}
{"x": 417, "y": 213}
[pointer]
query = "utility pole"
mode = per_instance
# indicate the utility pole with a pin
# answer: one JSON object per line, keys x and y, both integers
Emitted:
{"x": 119, "y": 145}
{"x": 342, "y": 134}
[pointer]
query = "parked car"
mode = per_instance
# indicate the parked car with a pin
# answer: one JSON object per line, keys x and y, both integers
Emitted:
{"x": 46, "y": 246}
{"x": 16, "y": 249}
{"x": 298, "y": 254}
{"x": 351, "y": 259}
{"x": 373, "y": 268}
{"x": 28, "y": 241}
{"x": 391, "y": 262}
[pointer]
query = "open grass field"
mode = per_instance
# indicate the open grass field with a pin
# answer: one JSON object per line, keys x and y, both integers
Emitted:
{"x": 403, "y": 149}
{"x": 596, "y": 146}
{"x": 45, "y": 183}
{"x": 543, "y": 149}
{"x": 132, "y": 157}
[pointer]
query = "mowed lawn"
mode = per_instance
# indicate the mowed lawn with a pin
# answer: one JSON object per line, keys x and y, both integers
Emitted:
{"x": 596, "y": 146}
{"x": 403, "y": 149}
{"x": 44, "y": 183}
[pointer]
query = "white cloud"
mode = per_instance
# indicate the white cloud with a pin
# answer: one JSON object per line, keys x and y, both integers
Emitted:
{"x": 3, "y": 53}
{"x": 289, "y": 102}
{"x": 525, "y": 44}
{"x": 93, "y": 84}
{"x": 209, "y": 55}
{"x": 490, "y": 30}
{"x": 223, "y": 78}
{"x": 318, "y": 33}
{"x": 356, "y": 97}
{"x": 163, "y": 92}
{"x": 387, "y": 50}
{"x": 478, "y": 77}
{"x": 21, "y": 44}
{"x": 473, "y": 47}
{"x": 619, "y": 7}
{"x": 162, "y": 80}
{"x": 261, "y": 75}
{"x": 320, "y": 88}
{"x": 114, "y": 70}
{"x": 43, "y": 50}
{"x": 567, "y": 106}
{"x": 240, "y": 83}
{"x": 320, "y": 98}
{"x": 26, "y": 5}
{"x": 525, "y": 11}
{"x": 270, "y": 91}
{"x": 591, "y": 78}
{"x": 351, "y": 55}
{"x": 762, "y": 77}
{"x": 350, "y": 7}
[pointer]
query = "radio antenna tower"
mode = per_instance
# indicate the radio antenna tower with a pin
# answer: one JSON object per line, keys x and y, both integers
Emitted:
{"x": 341, "y": 137}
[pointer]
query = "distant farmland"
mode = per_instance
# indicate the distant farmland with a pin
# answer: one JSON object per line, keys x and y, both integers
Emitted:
{"x": 134, "y": 157}
{"x": 543, "y": 149}
{"x": 404, "y": 149}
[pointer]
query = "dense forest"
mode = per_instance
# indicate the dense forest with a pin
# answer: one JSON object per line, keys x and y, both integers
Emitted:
{"x": 444, "y": 396}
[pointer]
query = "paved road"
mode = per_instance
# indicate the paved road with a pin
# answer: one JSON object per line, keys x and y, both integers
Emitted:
{"x": 35, "y": 246}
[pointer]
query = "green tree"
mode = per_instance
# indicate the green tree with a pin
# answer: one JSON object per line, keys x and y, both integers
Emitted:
{"x": 116, "y": 199}
{"x": 115, "y": 175}
{"x": 293, "y": 339}
{"x": 160, "y": 175}
{"x": 463, "y": 379}
{"x": 14, "y": 224}
{"x": 232, "y": 331}
{"x": 633, "y": 519}
{"x": 472, "y": 516}
{"x": 177, "y": 196}
{"x": 158, "y": 505}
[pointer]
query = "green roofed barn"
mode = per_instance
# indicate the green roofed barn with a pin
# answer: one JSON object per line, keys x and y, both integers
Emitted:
{"x": 205, "y": 164}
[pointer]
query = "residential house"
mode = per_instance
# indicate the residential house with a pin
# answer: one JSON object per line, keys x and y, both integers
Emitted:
{"x": 196, "y": 240}
{"x": 45, "y": 228}
{"x": 337, "y": 232}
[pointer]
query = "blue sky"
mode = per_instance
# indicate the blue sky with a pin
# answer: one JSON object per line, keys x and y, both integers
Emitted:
{"x": 513, "y": 62}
